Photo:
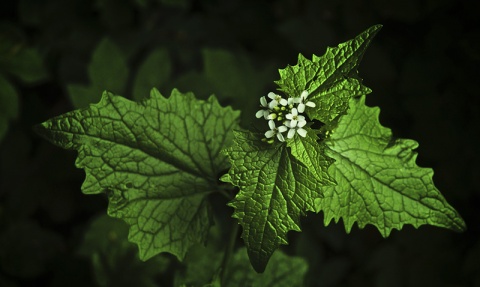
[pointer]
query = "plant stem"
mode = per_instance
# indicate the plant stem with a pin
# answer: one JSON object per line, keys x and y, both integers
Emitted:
{"x": 228, "y": 251}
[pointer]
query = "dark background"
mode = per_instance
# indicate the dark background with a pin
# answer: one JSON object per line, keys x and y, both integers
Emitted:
{"x": 422, "y": 67}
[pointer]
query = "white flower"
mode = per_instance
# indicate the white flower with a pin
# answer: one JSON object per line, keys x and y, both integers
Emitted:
{"x": 299, "y": 129}
{"x": 301, "y": 105}
{"x": 275, "y": 131}
{"x": 263, "y": 112}
{"x": 291, "y": 102}
{"x": 295, "y": 118}
{"x": 276, "y": 99}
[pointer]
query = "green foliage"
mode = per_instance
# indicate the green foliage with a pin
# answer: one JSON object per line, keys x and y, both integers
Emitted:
{"x": 107, "y": 70}
{"x": 8, "y": 104}
{"x": 114, "y": 259}
{"x": 202, "y": 263}
{"x": 157, "y": 160}
{"x": 331, "y": 79}
{"x": 368, "y": 183}
{"x": 283, "y": 270}
{"x": 22, "y": 62}
{"x": 378, "y": 181}
{"x": 155, "y": 71}
{"x": 275, "y": 190}
{"x": 17, "y": 61}
{"x": 231, "y": 76}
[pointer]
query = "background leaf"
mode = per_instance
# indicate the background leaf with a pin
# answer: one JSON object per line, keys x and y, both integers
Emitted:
{"x": 154, "y": 72}
{"x": 232, "y": 77}
{"x": 283, "y": 270}
{"x": 9, "y": 106}
{"x": 26, "y": 64}
{"x": 107, "y": 70}
{"x": 114, "y": 259}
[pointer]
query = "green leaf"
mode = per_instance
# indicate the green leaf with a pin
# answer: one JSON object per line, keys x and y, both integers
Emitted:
{"x": 113, "y": 257}
{"x": 81, "y": 96}
{"x": 157, "y": 160}
{"x": 311, "y": 152}
{"x": 202, "y": 262}
{"x": 24, "y": 63}
{"x": 331, "y": 79}
{"x": 378, "y": 181}
{"x": 283, "y": 270}
{"x": 8, "y": 104}
{"x": 108, "y": 67}
{"x": 234, "y": 79}
{"x": 154, "y": 72}
{"x": 275, "y": 190}
{"x": 107, "y": 70}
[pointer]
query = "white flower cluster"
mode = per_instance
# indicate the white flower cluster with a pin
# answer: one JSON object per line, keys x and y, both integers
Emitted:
{"x": 286, "y": 113}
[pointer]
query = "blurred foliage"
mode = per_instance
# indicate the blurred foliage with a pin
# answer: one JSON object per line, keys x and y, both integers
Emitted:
{"x": 114, "y": 259}
{"x": 58, "y": 55}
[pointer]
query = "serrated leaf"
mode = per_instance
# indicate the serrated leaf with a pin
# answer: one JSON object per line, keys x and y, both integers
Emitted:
{"x": 311, "y": 152}
{"x": 283, "y": 270}
{"x": 331, "y": 79}
{"x": 378, "y": 180}
{"x": 275, "y": 190}
{"x": 154, "y": 72}
{"x": 157, "y": 160}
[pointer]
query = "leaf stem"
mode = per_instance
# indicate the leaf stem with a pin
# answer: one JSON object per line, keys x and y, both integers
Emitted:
{"x": 228, "y": 251}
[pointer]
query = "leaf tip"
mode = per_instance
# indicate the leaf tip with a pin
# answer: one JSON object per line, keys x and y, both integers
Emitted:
{"x": 226, "y": 178}
{"x": 39, "y": 129}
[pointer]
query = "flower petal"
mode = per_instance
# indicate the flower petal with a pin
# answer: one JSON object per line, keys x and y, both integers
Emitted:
{"x": 291, "y": 133}
{"x": 260, "y": 114}
{"x": 263, "y": 102}
{"x": 301, "y": 107}
{"x": 310, "y": 104}
{"x": 271, "y": 124}
{"x": 301, "y": 124}
{"x": 304, "y": 95}
{"x": 273, "y": 104}
{"x": 282, "y": 129}
{"x": 269, "y": 134}
{"x": 272, "y": 95}
{"x": 293, "y": 123}
{"x": 266, "y": 113}
{"x": 280, "y": 137}
{"x": 302, "y": 132}
{"x": 283, "y": 102}
{"x": 294, "y": 112}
